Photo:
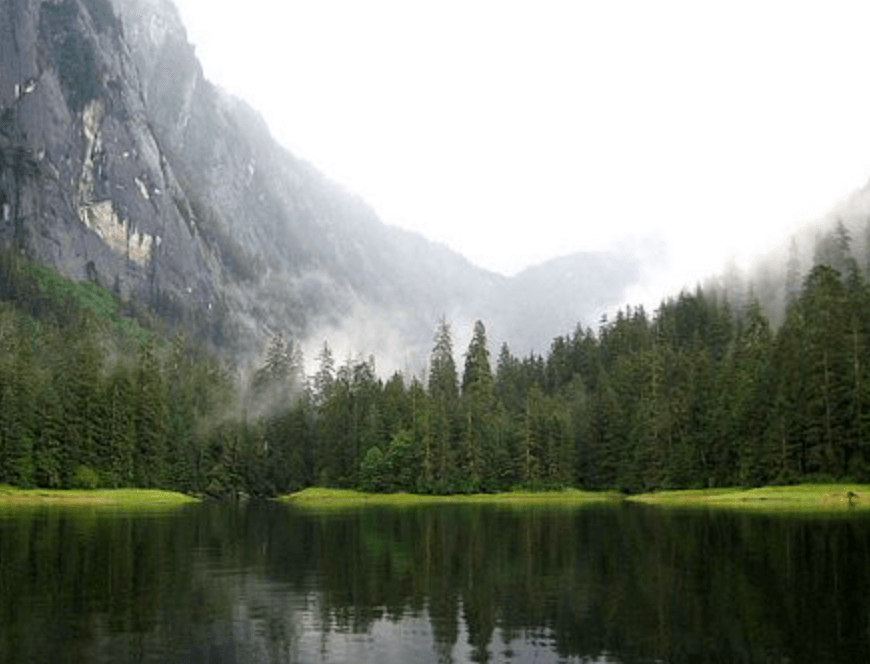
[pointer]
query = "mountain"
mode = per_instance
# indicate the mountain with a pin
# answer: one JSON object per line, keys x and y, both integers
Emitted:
{"x": 840, "y": 239}
{"x": 552, "y": 298}
{"x": 121, "y": 164}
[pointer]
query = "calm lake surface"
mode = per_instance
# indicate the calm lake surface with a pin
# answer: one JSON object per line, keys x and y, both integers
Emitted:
{"x": 272, "y": 583}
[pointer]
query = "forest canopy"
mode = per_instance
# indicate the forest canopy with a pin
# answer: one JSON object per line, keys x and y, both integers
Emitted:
{"x": 701, "y": 393}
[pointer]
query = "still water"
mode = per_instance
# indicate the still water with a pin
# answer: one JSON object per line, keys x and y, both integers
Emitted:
{"x": 272, "y": 583}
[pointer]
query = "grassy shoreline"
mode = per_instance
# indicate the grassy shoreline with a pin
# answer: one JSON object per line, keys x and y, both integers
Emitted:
{"x": 801, "y": 497}
{"x": 338, "y": 498}
{"x": 146, "y": 498}
{"x": 798, "y": 498}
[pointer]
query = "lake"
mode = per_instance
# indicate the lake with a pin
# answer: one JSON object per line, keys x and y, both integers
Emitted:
{"x": 453, "y": 583}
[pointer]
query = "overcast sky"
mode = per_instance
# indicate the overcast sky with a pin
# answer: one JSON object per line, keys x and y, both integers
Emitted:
{"x": 518, "y": 131}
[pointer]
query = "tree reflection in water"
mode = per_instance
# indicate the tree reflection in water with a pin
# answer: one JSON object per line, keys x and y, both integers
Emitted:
{"x": 270, "y": 583}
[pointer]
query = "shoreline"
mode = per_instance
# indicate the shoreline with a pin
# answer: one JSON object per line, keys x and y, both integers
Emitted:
{"x": 315, "y": 497}
{"x": 795, "y": 498}
{"x": 145, "y": 498}
{"x": 830, "y": 497}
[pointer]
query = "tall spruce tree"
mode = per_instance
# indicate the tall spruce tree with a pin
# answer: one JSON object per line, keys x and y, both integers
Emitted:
{"x": 444, "y": 396}
{"x": 325, "y": 375}
{"x": 823, "y": 302}
{"x": 151, "y": 414}
{"x": 478, "y": 406}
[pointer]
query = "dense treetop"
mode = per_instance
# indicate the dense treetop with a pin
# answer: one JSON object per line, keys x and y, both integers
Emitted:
{"x": 702, "y": 393}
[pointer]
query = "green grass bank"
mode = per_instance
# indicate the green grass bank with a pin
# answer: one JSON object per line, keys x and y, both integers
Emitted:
{"x": 127, "y": 498}
{"x": 798, "y": 498}
{"x": 819, "y": 498}
{"x": 342, "y": 498}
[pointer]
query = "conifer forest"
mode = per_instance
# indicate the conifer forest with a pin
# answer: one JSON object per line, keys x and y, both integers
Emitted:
{"x": 702, "y": 392}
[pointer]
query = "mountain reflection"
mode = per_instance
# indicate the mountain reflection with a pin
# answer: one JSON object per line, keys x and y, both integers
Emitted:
{"x": 269, "y": 583}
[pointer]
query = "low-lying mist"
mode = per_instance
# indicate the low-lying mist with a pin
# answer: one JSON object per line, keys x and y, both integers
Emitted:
{"x": 529, "y": 310}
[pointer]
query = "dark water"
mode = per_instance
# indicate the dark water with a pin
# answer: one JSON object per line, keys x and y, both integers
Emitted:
{"x": 269, "y": 583}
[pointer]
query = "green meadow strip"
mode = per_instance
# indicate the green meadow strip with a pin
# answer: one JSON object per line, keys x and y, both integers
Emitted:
{"x": 345, "y": 498}
{"x": 804, "y": 498}
{"x": 127, "y": 498}
{"x": 799, "y": 498}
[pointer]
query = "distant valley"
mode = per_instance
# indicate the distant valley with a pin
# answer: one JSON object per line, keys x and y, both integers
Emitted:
{"x": 123, "y": 165}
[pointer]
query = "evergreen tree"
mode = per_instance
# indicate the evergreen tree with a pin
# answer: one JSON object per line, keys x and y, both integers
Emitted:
{"x": 442, "y": 367}
{"x": 119, "y": 427}
{"x": 151, "y": 402}
{"x": 823, "y": 302}
{"x": 395, "y": 415}
{"x": 834, "y": 249}
{"x": 335, "y": 431}
{"x": 180, "y": 416}
{"x": 528, "y": 461}
{"x": 77, "y": 381}
{"x": 421, "y": 433}
{"x": 401, "y": 462}
{"x": 858, "y": 308}
{"x": 47, "y": 447}
{"x": 477, "y": 371}
{"x": 508, "y": 381}
{"x": 281, "y": 378}
{"x": 793, "y": 274}
{"x": 478, "y": 405}
{"x": 368, "y": 430}
{"x": 325, "y": 375}
{"x": 17, "y": 391}
{"x": 443, "y": 395}
{"x": 742, "y": 450}
{"x": 788, "y": 418}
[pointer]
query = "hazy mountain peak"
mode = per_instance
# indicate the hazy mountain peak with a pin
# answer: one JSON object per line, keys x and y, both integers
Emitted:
{"x": 122, "y": 163}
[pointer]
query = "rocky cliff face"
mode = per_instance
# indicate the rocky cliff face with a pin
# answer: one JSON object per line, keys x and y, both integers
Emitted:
{"x": 119, "y": 162}
{"x": 84, "y": 185}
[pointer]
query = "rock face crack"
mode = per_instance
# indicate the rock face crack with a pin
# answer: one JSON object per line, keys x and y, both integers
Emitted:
{"x": 72, "y": 52}
{"x": 92, "y": 118}
{"x": 101, "y": 216}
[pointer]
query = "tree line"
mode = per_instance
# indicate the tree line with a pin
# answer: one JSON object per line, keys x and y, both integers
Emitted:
{"x": 701, "y": 393}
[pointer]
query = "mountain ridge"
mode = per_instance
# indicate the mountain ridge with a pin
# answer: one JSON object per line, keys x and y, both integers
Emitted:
{"x": 122, "y": 164}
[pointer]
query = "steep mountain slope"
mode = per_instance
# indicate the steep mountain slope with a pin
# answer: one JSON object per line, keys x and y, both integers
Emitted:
{"x": 84, "y": 186}
{"x": 120, "y": 163}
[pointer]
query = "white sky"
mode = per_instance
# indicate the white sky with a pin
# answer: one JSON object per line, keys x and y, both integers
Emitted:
{"x": 518, "y": 131}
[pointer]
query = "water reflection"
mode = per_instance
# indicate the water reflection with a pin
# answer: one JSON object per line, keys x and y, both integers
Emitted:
{"x": 268, "y": 583}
